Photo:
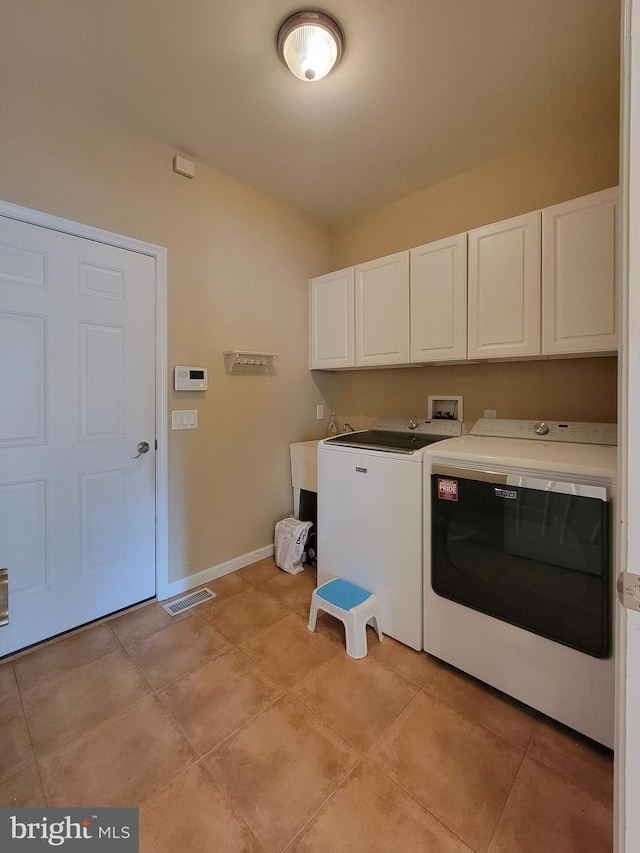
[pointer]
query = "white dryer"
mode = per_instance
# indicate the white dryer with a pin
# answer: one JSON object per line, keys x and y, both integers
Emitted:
{"x": 519, "y": 564}
{"x": 370, "y": 515}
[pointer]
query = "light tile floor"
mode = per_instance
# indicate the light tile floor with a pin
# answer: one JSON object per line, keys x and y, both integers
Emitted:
{"x": 235, "y": 729}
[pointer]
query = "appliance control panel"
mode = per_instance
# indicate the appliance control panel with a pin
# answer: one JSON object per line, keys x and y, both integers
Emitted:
{"x": 420, "y": 426}
{"x": 569, "y": 431}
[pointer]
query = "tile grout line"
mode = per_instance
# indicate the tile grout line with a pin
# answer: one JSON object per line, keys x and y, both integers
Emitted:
{"x": 167, "y": 784}
{"x": 397, "y": 672}
{"x": 170, "y": 782}
{"x": 399, "y": 785}
{"x": 235, "y": 595}
{"x": 93, "y": 728}
{"x": 229, "y": 800}
{"x": 272, "y": 675}
{"x": 236, "y": 642}
{"x": 38, "y": 758}
{"x": 526, "y": 749}
{"x": 120, "y": 647}
{"x": 244, "y": 725}
{"x": 316, "y": 672}
{"x": 154, "y": 631}
{"x": 477, "y": 722}
{"x": 231, "y": 734}
{"x": 560, "y": 772}
{"x": 152, "y": 692}
{"x": 326, "y": 723}
{"x": 199, "y": 756}
{"x": 412, "y": 796}
{"x": 325, "y": 803}
{"x": 418, "y": 686}
{"x": 188, "y": 672}
{"x": 506, "y": 801}
{"x": 33, "y": 749}
{"x": 569, "y": 781}
{"x": 126, "y": 651}
{"x": 64, "y": 672}
{"x": 286, "y": 694}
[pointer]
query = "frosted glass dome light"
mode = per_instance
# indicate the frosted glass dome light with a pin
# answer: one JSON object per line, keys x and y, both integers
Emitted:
{"x": 310, "y": 44}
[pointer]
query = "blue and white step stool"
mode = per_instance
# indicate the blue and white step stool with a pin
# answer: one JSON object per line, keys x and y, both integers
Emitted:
{"x": 353, "y": 605}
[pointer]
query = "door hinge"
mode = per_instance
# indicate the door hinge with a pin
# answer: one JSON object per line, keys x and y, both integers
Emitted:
{"x": 628, "y": 586}
{"x": 4, "y": 597}
{"x": 156, "y": 443}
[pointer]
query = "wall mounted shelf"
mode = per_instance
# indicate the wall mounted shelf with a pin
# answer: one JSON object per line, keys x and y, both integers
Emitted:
{"x": 248, "y": 363}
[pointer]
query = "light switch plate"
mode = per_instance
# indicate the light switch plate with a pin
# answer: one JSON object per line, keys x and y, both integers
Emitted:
{"x": 184, "y": 419}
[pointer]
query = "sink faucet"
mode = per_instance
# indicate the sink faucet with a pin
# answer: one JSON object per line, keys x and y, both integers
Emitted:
{"x": 347, "y": 426}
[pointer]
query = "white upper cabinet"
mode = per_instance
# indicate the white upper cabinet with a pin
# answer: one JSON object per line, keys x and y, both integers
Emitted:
{"x": 579, "y": 275}
{"x": 504, "y": 288}
{"x": 439, "y": 300}
{"x": 382, "y": 311}
{"x": 331, "y": 320}
{"x": 535, "y": 285}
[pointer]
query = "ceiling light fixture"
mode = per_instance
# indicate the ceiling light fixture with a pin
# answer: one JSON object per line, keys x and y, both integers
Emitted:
{"x": 310, "y": 44}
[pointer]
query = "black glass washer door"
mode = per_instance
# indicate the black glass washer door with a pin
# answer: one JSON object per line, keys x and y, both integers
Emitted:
{"x": 537, "y": 559}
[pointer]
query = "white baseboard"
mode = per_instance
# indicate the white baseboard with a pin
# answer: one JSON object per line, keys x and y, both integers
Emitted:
{"x": 213, "y": 573}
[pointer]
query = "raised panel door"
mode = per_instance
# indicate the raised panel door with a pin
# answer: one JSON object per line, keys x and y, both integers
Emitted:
{"x": 579, "y": 275}
{"x": 439, "y": 300}
{"x": 504, "y": 288}
{"x": 77, "y": 394}
{"x": 331, "y": 320}
{"x": 382, "y": 311}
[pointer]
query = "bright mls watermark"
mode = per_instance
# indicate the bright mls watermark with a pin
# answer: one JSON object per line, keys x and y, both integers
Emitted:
{"x": 104, "y": 830}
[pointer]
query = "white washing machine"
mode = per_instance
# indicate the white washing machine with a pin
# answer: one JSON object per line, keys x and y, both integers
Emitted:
{"x": 519, "y": 564}
{"x": 370, "y": 513}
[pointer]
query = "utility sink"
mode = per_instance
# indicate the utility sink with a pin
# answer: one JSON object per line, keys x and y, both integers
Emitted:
{"x": 304, "y": 469}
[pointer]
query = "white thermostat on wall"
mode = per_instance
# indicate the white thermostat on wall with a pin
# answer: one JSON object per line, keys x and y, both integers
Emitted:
{"x": 190, "y": 378}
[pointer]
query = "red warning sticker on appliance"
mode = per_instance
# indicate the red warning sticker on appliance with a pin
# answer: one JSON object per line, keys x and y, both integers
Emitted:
{"x": 447, "y": 489}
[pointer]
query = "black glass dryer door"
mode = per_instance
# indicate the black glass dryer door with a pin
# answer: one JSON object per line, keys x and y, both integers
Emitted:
{"x": 537, "y": 559}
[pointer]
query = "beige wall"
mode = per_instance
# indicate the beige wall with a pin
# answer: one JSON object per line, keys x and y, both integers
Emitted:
{"x": 576, "y": 389}
{"x": 238, "y": 264}
{"x": 567, "y": 165}
{"x": 238, "y": 267}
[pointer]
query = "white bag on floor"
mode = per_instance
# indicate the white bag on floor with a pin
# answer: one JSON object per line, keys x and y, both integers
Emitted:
{"x": 290, "y": 539}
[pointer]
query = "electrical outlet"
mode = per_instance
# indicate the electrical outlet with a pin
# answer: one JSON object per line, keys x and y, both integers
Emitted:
{"x": 490, "y": 413}
{"x": 320, "y": 413}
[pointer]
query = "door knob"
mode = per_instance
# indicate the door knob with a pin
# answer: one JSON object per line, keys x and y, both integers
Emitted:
{"x": 143, "y": 447}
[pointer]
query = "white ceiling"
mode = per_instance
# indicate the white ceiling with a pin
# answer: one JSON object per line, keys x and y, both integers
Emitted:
{"x": 425, "y": 90}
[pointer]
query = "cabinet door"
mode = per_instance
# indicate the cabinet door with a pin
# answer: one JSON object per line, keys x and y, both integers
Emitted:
{"x": 382, "y": 311}
{"x": 579, "y": 275}
{"x": 504, "y": 288}
{"x": 331, "y": 334}
{"x": 439, "y": 300}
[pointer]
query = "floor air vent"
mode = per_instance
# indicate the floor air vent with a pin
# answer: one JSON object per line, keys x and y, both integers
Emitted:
{"x": 188, "y": 601}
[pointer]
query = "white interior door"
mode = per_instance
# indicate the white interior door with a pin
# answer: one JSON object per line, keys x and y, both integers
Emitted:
{"x": 77, "y": 510}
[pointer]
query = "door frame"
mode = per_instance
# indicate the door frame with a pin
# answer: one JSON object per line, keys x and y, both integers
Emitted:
{"x": 627, "y": 765}
{"x": 159, "y": 254}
